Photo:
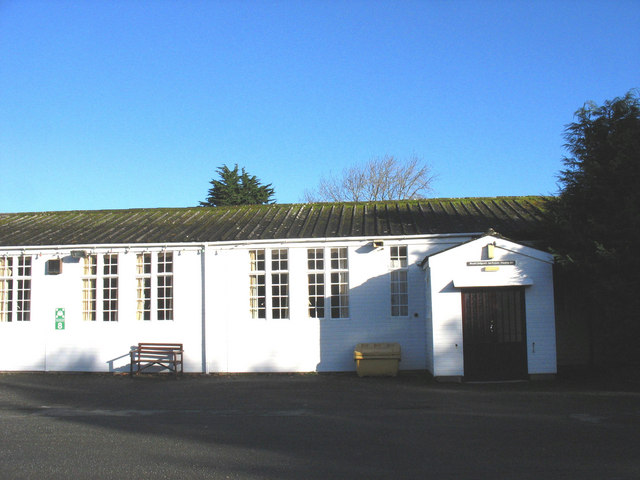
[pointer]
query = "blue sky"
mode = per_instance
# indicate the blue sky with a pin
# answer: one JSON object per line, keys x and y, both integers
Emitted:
{"x": 127, "y": 104}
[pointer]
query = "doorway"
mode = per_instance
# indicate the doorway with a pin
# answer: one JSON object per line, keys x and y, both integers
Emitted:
{"x": 494, "y": 333}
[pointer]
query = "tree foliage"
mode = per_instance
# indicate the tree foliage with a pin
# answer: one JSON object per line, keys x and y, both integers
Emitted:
{"x": 237, "y": 188}
{"x": 596, "y": 223}
{"x": 381, "y": 178}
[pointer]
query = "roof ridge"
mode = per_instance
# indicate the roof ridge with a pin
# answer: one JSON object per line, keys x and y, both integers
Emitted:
{"x": 280, "y": 205}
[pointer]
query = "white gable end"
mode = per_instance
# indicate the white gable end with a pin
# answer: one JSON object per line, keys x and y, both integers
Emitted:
{"x": 490, "y": 262}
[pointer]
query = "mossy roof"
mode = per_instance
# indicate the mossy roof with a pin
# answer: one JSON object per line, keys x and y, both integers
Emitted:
{"x": 520, "y": 218}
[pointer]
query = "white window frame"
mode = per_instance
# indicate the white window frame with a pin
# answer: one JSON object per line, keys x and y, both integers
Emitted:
{"x": 143, "y": 285}
{"x": 399, "y": 281}
{"x": 165, "y": 286}
{"x": 316, "y": 276}
{"x": 333, "y": 271}
{"x": 269, "y": 283}
{"x": 279, "y": 283}
{"x": 15, "y": 288}
{"x": 339, "y": 278}
{"x": 101, "y": 287}
{"x": 257, "y": 283}
{"x": 110, "y": 284}
{"x": 155, "y": 286}
{"x": 89, "y": 288}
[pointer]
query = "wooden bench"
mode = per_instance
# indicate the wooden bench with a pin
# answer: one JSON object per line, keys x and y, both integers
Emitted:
{"x": 165, "y": 355}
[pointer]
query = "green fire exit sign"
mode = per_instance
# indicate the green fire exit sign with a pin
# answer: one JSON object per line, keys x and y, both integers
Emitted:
{"x": 59, "y": 318}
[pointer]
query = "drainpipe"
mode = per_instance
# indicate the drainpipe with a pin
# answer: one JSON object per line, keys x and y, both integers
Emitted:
{"x": 203, "y": 273}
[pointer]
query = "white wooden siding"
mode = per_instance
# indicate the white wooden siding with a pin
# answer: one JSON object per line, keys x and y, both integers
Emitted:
{"x": 211, "y": 301}
{"x": 238, "y": 343}
{"x": 446, "y": 303}
{"x": 100, "y": 346}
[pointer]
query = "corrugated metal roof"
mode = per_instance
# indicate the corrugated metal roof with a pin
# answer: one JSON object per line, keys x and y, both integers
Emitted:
{"x": 515, "y": 217}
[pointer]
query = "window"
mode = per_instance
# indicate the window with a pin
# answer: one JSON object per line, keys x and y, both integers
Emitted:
{"x": 110, "y": 288}
{"x": 89, "y": 279}
{"x": 339, "y": 283}
{"x": 270, "y": 276}
{"x": 399, "y": 285}
{"x": 257, "y": 290}
{"x": 279, "y": 283}
{"x": 154, "y": 273}
{"x": 6, "y": 289}
{"x": 315, "y": 264}
{"x": 107, "y": 295}
{"x": 15, "y": 283}
{"x": 24, "y": 289}
{"x": 165, "y": 286}
{"x": 337, "y": 271}
{"x": 143, "y": 290}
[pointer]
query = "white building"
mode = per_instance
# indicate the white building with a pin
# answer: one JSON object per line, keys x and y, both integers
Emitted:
{"x": 281, "y": 288}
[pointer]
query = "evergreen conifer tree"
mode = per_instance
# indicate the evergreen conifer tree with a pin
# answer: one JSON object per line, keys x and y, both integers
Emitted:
{"x": 596, "y": 225}
{"x": 236, "y": 187}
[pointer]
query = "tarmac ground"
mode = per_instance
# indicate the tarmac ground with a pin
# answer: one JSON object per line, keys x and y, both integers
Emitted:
{"x": 103, "y": 426}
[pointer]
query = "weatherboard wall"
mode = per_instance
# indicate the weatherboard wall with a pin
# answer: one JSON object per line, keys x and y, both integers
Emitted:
{"x": 212, "y": 317}
{"x": 238, "y": 343}
{"x": 211, "y": 312}
{"x": 449, "y": 272}
{"x": 99, "y": 346}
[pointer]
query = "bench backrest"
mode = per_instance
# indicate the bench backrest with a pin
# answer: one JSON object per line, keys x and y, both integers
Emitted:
{"x": 175, "y": 348}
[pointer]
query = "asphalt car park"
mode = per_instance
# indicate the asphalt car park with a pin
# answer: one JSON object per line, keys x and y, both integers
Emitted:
{"x": 315, "y": 426}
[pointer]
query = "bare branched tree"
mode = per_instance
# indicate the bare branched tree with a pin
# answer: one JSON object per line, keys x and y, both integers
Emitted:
{"x": 381, "y": 178}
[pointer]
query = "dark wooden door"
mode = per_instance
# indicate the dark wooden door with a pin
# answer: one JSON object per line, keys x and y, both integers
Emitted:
{"x": 494, "y": 333}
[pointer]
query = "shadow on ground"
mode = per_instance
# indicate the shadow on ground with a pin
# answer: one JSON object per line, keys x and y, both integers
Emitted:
{"x": 313, "y": 426}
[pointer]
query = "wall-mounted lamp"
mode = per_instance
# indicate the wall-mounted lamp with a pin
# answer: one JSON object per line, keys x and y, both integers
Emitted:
{"x": 490, "y": 250}
{"x": 490, "y": 269}
{"x": 378, "y": 243}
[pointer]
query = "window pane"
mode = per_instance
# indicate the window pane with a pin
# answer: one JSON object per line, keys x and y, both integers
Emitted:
{"x": 257, "y": 296}
{"x": 399, "y": 284}
{"x": 110, "y": 299}
{"x": 339, "y": 258}
{"x": 339, "y": 295}
{"x": 164, "y": 290}
{"x": 279, "y": 294}
{"x": 315, "y": 259}
{"x": 256, "y": 258}
{"x": 90, "y": 265}
{"x": 23, "y": 303}
{"x": 279, "y": 260}
{"x": 143, "y": 288}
